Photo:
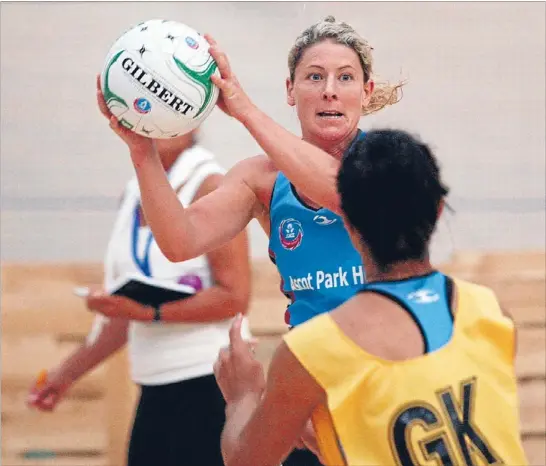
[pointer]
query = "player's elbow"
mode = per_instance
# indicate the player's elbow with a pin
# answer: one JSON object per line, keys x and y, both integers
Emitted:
{"x": 175, "y": 253}
{"x": 180, "y": 243}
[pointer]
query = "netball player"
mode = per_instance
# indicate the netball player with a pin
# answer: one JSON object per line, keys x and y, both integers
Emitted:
{"x": 291, "y": 189}
{"x": 417, "y": 368}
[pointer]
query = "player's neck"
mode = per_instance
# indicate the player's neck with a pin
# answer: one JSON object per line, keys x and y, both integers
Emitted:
{"x": 399, "y": 271}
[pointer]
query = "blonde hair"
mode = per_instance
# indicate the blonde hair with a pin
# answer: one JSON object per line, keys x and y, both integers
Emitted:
{"x": 384, "y": 93}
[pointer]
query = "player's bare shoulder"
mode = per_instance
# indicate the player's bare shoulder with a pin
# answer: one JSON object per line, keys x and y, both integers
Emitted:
{"x": 259, "y": 174}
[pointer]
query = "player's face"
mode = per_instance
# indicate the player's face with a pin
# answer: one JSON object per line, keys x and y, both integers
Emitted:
{"x": 329, "y": 91}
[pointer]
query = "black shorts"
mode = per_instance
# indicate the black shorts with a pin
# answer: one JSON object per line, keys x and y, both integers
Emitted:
{"x": 178, "y": 424}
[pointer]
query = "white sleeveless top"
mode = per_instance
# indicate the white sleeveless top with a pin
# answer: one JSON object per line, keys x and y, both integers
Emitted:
{"x": 162, "y": 353}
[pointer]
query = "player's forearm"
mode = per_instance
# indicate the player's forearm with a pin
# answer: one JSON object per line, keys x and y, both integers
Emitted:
{"x": 164, "y": 213}
{"x": 237, "y": 416}
{"x": 212, "y": 304}
{"x": 112, "y": 337}
{"x": 309, "y": 168}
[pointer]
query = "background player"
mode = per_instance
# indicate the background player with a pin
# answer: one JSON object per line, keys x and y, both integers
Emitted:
{"x": 180, "y": 412}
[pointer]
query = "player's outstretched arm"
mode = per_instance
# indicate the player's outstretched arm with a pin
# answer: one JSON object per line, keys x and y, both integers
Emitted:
{"x": 210, "y": 222}
{"x": 213, "y": 220}
{"x": 310, "y": 169}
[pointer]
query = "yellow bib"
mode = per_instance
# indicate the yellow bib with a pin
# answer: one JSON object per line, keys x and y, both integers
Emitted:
{"x": 455, "y": 406}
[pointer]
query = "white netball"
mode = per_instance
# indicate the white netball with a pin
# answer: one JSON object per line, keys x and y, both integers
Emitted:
{"x": 156, "y": 79}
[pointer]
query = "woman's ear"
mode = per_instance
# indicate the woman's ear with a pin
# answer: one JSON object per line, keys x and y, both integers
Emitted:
{"x": 290, "y": 93}
{"x": 367, "y": 94}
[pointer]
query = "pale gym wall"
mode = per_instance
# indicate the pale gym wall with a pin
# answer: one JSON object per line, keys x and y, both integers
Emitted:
{"x": 476, "y": 92}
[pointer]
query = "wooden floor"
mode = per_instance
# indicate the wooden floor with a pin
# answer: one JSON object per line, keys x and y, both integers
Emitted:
{"x": 42, "y": 321}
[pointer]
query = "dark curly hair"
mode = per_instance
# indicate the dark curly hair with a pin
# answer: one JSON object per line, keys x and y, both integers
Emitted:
{"x": 391, "y": 189}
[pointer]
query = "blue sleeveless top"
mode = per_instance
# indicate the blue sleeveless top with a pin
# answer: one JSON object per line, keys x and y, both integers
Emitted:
{"x": 319, "y": 267}
{"x": 427, "y": 299}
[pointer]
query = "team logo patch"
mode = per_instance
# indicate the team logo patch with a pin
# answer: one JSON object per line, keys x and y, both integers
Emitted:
{"x": 141, "y": 105}
{"x": 192, "y": 43}
{"x": 290, "y": 234}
